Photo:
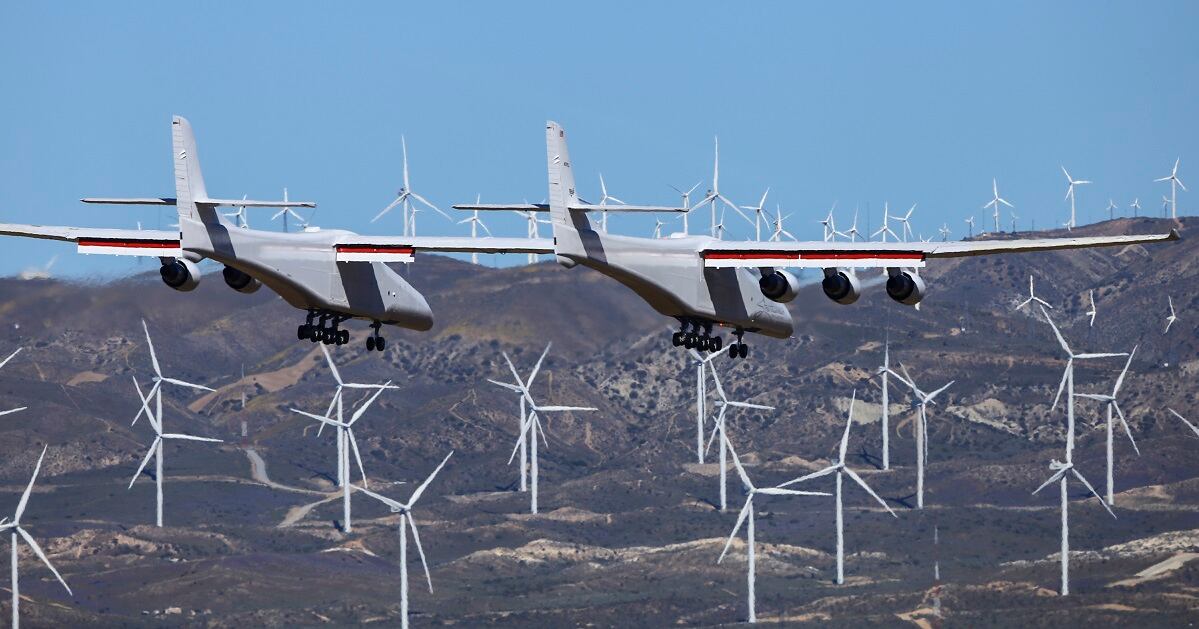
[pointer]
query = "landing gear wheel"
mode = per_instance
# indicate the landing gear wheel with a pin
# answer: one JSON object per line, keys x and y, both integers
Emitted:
{"x": 733, "y": 351}
{"x": 717, "y": 343}
{"x": 676, "y": 339}
{"x": 314, "y": 335}
{"x": 743, "y": 350}
{"x": 380, "y": 343}
{"x": 370, "y": 343}
{"x": 345, "y": 337}
{"x": 302, "y": 332}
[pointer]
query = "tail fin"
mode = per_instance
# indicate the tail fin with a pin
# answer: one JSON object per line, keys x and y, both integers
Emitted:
{"x": 567, "y": 223}
{"x": 189, "y": 181}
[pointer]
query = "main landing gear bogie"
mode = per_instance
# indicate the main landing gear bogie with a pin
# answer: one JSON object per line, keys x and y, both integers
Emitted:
{"x": 323, "y": 327}
{"x": 698, "y": 336}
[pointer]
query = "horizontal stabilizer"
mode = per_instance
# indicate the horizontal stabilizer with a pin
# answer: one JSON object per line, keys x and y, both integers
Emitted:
{"x": 582, "y": 207}
{"x": 115, "y": 201}
{"x": 504, "y": 207}
{"x": 625, "y": 208}
{"x": 211, "y": 202}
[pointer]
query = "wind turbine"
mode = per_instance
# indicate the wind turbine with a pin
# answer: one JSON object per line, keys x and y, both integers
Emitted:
{"x": 404, "y": 198}
{"x": 1014, "y": 217}
{"x": 759, "y": 215}
{"x": 886, "y": 228}
{"x": 1060, "y": 471}
{"x": 1165, "y": 204}
{"x": 944, "y": 231}
{"x": 287, "y": 211}
{"x": 155, "y": 419}
{"x": 839, "y": 468}
{"x": 1109, "y": 400}
{"x": 830, "y": 225}
{"x": 1136, "y": 206}
{"x": 720, "y": 225}
{"x": 1070, "y": 195}
{"x": 524, "y": 452}
{"x": 907, "y": 227}
{"x": 994, "y": 204}
{"x": 852, "y": 233}
{"x": 475, "y": 224}
{"x": 970, "y": 222}
{"x": 345, "y": 437}
{"x": 1111, "y": 209}
{"x": 532, "y": 231}
{"x": 1193, "y": 427}
{"x": 2, "y": 364}
{"x": 531, "y": 429}
{"x": 239, "y": 217}
{"x": 1173, "y": 317}
{"x": 922, "y": 401}
{"x": 1093, "y": 311}
{"x": 18, "y": 530}
{"x": 715, "y": 195}
{"x": 1175, "y": 183}
{"x": 405, "y": 511}
{"x": 1032, "y": 296}
{"x": 779, "y": 230}
{"x": 686, "y": 203}
{"x": 658, "y": 223}
{"x": 724, "y": 403}
{"x": 747, "y": 515}
{"x": 603, "y": 202}
{"x": 885, "y": 372}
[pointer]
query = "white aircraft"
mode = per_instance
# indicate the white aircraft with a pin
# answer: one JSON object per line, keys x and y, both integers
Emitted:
{"x": 334, "y": 275}
{"x": 705, "y": 282}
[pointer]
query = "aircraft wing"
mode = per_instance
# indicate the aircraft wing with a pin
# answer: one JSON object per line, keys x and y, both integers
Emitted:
{"x": 121, "y": 242}
{"x": 404, "y": 248}
{"x": 893, "y": 254}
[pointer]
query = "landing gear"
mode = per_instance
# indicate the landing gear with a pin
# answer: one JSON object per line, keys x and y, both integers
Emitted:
{"x": 375, "y": 342}
{"x": 738, "y": 349}
{"x": 696, "y": 335}
{"x": 326, "y": 328}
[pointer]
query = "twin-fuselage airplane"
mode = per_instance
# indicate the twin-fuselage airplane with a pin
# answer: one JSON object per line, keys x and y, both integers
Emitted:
{"x": 337, "y": 275}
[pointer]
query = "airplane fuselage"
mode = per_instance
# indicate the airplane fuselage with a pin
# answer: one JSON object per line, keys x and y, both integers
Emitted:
{"x": 302, "y": 268}
{"x": 670, "y": 275}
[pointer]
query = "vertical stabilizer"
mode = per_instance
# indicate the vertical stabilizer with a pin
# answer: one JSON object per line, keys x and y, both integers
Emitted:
{"x": 567, "y": 223}
{"x": 189, "y": 181}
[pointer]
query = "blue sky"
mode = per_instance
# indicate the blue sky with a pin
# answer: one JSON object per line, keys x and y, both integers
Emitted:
{"x": 858, "y": 103}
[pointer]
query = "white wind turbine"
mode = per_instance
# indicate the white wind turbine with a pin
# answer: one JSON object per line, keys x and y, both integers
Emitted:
{"x": 2, "y": 364}
{"x": 970, "y": 222}
{"x": 523, "y": 444}
{"x": 531, "y": 429}
{"x": 1032, "y": 297}
{"x": 1193, "y": 427}
{"x": 1093, "y": 311}
{"x": 18, "y": 530}
{"x": 760, "y": 215}
{"x": 658, "y": 223}
{"x": 1111, "y": 209}
{"x": 852, "y": 233}
{"x": 830, "y": 225}
{"x": 839, "y": 468}
{"x": 1014, "y": 217}
{"x": 1173, "y": 316}
{"x": 747, "y": 515}
{"x": 1175, "y": 183}
{"x": 286, "y": 212}
{"x": 155, "y": 418}
{"x": 922, "y": 399}
{"x": 1070, "y": 195}
{"x": 907, "y": 227}
{"x": 1136, "y": 206}
{"x": 475, "y": 224}
{"x": 701, "y": 398}
{"x": 686, "y": 203}
{"x": 885, "y": 372}
{"x": 404, "y": 198}
{"x": 779, "y": 230}
{"x": 239, "y": 217}
{"x": 1110, "y": 402}
{"x": 715, "y": 195}
{"x": 405, "y": 511}
{"x": 886, "y": 228}
{"x": 724, "y": 403}
{"x": 994, "y": 204}
{"x": 1165, "y": 204}
{"x": 603, "y": 202}
{"x": 345, "y": 442}
{"x": 532, "y": 231}
{"x": 944, "y": 231}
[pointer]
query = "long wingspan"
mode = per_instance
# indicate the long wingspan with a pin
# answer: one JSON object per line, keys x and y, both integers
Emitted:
{"x": 893, "y": 254}
{"x": 121, "y": 242}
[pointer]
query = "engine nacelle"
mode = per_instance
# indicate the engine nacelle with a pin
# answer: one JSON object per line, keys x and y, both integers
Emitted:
{"x": 240, "y": 281}
{"x": 181, "y": 274}
{"x": 906, "y": 288}
{"x": 779, "y": 286}
{"x": 841, "y": 287}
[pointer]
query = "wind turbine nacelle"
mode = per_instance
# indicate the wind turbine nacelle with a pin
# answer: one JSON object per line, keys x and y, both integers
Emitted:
{"x": 181, "y": 274}
{"x": 841, "y": 287}
{"x": 240, "y": 281}
{"x": 906, "y": 288}
{"x": 779, "y": 286}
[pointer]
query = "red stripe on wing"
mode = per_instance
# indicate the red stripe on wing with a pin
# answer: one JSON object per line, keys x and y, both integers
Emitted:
{"x": 397, "y": 249}
{"x": 129, "y": 244}
{"x": 813, "y": 255}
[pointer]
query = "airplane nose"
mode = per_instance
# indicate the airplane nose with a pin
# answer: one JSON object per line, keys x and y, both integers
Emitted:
{"x": 410, "y": 310}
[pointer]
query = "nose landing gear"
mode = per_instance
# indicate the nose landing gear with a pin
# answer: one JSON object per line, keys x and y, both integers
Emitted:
{"x": 375, "y": 342}
{"x": 738, "y": 349}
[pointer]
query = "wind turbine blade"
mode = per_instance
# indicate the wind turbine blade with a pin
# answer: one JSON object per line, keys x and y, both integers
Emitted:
{"x": 537, "y": 367}
{"x": 719, "y": 387}
{"x": 175, "y": 435}
{"x": 1091, "y": 489}
{"x": 394, "y": 504}
{"x": 420, "y": 551}
{"x": 1184, "y": 420}
{"x": 332, "y": 367}
{"x": 1127, "y": 364}
{"x": 370, "y": 400}
{"x": 10, "y": 357}
{"x": 858, "y": 479}
{"x": 506, "y": 385}
{"x": 716, "y": 428}
{"x": 749, "y": 504}
{"x": 909, "y": 383}
{"x": 779, "y": 491}
{"x": 1127, "y": 430}
{"x": 419, "y": 490}
{"x": 737, "y": 463}
{"x": 934, "y": 394}
{"x": 1060, "y": 339}
{"x": 848, "y": 424}
{"x": 1062, "y": 386}
{"x": 434, "y": 207}
{"x": 149, "y": 453}
{"x": 29, "y": 488}
{"x": 1104, "y": 355}
{"x": 1052, "y": 479}
{"x": 13, "y": 410}
{"x": 524, "y": 388}
{"x": 378, "y": 216}
{"x": 324, "y": 420}
{"x": 563, "y": 409}
{"x": 145, "y": 402}
{"x": 187, "y": 384}
{"x": 824, "y": 472}
{"x": 37, "y": 550}
{"x": 150, "y": 343}
{"x": 749, "y": 405}
{"x": 357, "y": 457}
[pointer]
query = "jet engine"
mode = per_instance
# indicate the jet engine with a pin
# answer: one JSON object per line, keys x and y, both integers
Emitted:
{"x": 906, "y": 288}
{"x": 779, "y": 286}
{"x": 180, "y": 274}
{"x": 240, "y": 281}
{"x": 841, "y": 287}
